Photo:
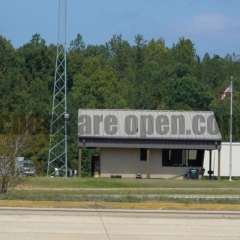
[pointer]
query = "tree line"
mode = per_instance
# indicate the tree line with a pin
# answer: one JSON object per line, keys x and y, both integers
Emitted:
{"x": 117, "y": 74}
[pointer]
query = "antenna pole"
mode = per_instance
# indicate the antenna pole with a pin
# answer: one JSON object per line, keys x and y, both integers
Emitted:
{"x": 58, "y": 144}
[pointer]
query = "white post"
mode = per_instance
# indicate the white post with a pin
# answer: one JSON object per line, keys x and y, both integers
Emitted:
{"x": 148, "y": 164}
{"x": 219, "y": 163}
{"x": 230, "y": 131}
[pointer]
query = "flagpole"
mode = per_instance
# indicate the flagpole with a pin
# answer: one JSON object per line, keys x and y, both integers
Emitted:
{"x": 230, "y": 131}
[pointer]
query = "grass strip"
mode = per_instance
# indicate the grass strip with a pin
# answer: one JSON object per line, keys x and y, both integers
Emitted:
{"x": 116, "y": 205}
{"x": 123, "y": 197}
{"x": 34, "y": 182}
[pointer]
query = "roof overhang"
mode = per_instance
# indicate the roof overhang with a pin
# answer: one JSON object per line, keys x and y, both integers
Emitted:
{"x": 149, "y": 143}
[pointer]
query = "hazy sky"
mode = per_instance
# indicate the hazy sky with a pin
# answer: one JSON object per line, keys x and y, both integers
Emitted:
{"x": 213, "y": 25}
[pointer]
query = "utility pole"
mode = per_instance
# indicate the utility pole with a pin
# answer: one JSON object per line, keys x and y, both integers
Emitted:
{"x": 58, "y": 145}
{"x": 230, "y": 131}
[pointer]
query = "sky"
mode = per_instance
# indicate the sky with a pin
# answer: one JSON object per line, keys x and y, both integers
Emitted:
{"x": 212, "y": 25}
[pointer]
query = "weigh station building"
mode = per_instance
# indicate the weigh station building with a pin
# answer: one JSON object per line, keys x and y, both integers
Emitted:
{"x": 148, "y": 144}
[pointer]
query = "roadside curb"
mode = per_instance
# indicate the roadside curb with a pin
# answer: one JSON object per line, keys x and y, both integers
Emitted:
{"x": 127, "y": 211}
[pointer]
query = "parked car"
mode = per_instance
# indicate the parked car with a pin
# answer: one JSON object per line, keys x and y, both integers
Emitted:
{"x": 25, "y": 167}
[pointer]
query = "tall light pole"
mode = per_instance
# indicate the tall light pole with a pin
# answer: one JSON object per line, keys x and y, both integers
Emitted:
{"x": 231, "y": 131}
{"x": 58, "y": 145}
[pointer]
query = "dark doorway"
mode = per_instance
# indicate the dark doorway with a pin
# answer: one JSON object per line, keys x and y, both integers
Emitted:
{"x": 96, "y": 169}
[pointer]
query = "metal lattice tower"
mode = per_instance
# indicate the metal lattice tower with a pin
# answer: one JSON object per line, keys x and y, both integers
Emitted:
{"x": 58, "y": 153}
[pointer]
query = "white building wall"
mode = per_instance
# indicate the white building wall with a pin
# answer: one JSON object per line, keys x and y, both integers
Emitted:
{"x": 119, "y": 162}
{"x": 224, "y": 160}
{"x": 126, "y": 163}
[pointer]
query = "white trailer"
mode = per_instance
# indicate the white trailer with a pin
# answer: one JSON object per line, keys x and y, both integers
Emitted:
{"x": 225, "y": 150}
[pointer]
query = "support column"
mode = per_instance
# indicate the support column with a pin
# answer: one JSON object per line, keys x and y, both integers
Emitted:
{"x": 219, "y": 163}
{"x": 79, "y": 162}
{"x": 210, "y": 165}
{"x": 148, "y": 163}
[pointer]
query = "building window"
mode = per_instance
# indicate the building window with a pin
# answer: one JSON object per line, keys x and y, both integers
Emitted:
{"x": 182, "y": 158}
{"x": 143, "y": 154}
{"x": 172, "y": 158}
{"x": 195, "y": 158}
{"x": 192, "y": 155}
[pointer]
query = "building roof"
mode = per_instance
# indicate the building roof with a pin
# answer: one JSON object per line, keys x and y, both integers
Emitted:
{"x": 148, "y": 125}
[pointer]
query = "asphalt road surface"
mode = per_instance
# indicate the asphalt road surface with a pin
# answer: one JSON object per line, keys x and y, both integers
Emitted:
{"x": 27, "y": 224}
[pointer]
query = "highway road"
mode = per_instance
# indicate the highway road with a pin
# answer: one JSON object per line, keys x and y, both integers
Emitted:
{"x": 75, "y": 224}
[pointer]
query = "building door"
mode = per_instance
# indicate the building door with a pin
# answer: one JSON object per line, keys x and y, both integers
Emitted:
{"x": 96, "y": 169}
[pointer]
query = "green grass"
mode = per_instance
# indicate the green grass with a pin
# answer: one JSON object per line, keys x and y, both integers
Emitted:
{"x": 122, "y": 190}
{"x": 35, "y": 195}
{"x": 131, "y": 191}
{"x": 44, "y": 182}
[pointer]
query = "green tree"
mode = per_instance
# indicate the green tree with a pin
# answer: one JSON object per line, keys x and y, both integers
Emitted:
{"x": 187, "y": 94}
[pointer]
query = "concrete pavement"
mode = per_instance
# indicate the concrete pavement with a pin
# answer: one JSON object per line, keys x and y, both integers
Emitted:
{"x": 59, "y": 224}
